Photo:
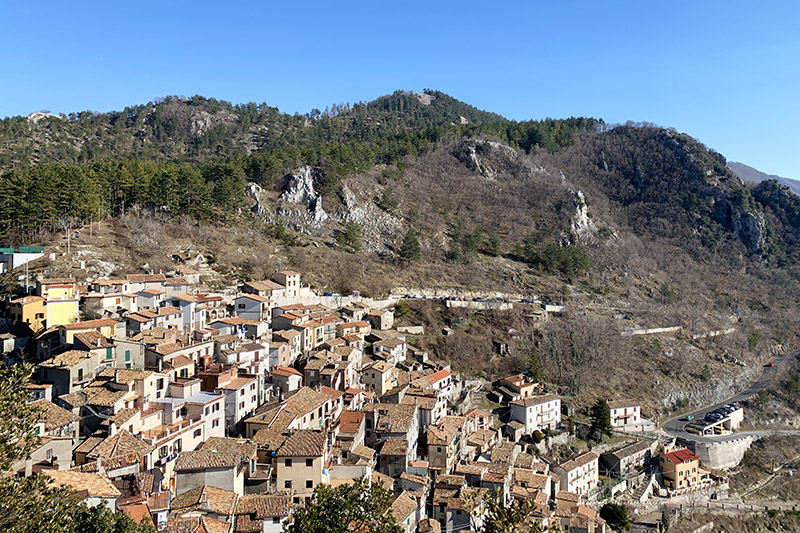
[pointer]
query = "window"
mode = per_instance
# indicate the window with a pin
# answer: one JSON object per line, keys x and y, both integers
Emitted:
{"x": 287, "y": 484}
{"x": 309, "y": 462}
{"x": 287, "y": 463}
{"x": 241, "y": 306}
{"x": 49, "y": 454}
{"x": 206, "y": 410}
{"x": 295, "y": 500}
{"x": 241, "y": 392}
{"x": 198, "y": 432}
{"x": 309, "y": 484}
{"x": 438, "y": 449}
{"x": 215, "y": 423}
{"x": 241, "y": 405}
{"x": 127, "y": 355}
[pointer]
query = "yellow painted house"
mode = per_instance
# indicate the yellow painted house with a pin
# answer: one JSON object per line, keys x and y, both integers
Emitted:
{"x": 29, "y": 310}
{"x": 60, "y": 312}
{"x": 61, "y": 300}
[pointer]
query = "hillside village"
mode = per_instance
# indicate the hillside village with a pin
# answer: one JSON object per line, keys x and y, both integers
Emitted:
{"x": 218, "y": 412}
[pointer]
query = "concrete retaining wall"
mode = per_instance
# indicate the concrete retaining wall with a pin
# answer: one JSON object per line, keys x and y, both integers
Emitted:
{"x": 721, "y": 455}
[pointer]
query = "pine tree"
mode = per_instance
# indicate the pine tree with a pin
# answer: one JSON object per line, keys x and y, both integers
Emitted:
{"x": 601, "y": 417}
{"x": 533, "y": 368}
{"x": 410, "y": 250}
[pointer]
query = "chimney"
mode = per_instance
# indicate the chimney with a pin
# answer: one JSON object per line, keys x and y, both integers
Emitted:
{"x": 116, "y": 375}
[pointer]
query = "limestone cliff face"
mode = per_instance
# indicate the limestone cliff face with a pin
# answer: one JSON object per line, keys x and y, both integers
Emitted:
{"x": 489, "y": 158}
{"x": 749, "y": 226}
{"x": 301, "y": 201}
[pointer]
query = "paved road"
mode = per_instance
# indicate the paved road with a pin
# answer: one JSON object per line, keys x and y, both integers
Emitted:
{"x": 675, "y": 426}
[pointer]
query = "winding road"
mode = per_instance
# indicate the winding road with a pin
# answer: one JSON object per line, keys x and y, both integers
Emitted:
{"x": 675, "y": 427}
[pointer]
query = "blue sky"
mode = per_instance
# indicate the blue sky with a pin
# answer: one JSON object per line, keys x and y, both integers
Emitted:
{"x": 727, "y": 73}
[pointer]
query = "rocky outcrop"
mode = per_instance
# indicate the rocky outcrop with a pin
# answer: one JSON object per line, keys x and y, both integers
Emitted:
{"x": 301, "y": 200}
{"x": 750, "y": 227}
{"x": 582, "y": 225}
{"x": 255, "y": 194}
{"x": 489, "y": 158}
{"x": 377, "y": 226}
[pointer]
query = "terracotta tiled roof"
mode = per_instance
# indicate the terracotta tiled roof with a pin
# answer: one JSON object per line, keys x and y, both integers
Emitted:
{"x": 137, "y": 511}
{"x": 264, "y": 505}
{"x": 90, "y": 324}
{"x": 264, "y": 285}
{"x": 394, "y": 447}
{"x": 123, "y": 415}
{"x": 255, "y": 297}
{"x": 389, "y": 343}
{"x": 180, "y": 361}
{"x": 356, "y": 324}
{"x": 398, "y": 418}
{"x": 53, "y": 415}
{"x": 89, "y": 444}
{"x": 124, "y": 375}
{"x": 244, "y": 447}
{"x": 27, "y": 300}
{"x": 285, "y": 371}
{"x": 121, "y": 445}
{"x": 632, "y": 449}
{"x": 579, "y": 461}
{"x": 568, "y": 496}
{"x": 93, "y": 484}
{"x": 94, "y": 339}
{"x": 206, "y": 497}
{"x": 152, "y": 292}
{"x": 100, "y": 395}
{"x": 351, "y": 421}
{"x": 203, "y": 460}
{"x": 684, "y": 455}
{"x": 109, "y": 282}
{"x": 238, "y": 383}
{"x": 383, "y": 479}
{"x": 158, "y": 501}
{"x": 363, "y": 451}
{"x": 403, "y": 507}
{"x": 56, "y": 281}
{"x": 303, "y": 443}
{"x": 175, "y": 281}
{"x": 618, "y": 404}
{"x": 535, "y": 400}
{"x": 66, "y": 359}
{"x": 197, "y": 524}
{"x": 146, "y": 278}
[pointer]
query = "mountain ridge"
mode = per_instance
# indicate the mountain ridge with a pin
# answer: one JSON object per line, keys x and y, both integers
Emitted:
{"x": 753, "y": 175}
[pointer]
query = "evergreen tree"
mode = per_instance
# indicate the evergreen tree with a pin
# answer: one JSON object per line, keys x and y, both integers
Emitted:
{"x": 533, "y": 368}
{"x": 616, "y": 516}
{"x": 410, "y": 250}
{"x": 601, "y": 417}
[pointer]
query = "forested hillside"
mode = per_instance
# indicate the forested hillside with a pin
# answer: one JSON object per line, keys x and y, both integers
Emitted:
{"x": 193, "y": 156}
